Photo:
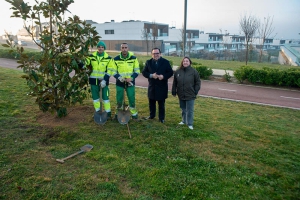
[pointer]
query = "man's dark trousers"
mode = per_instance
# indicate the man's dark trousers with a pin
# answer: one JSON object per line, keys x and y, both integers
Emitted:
{"x": 161, "y": 108}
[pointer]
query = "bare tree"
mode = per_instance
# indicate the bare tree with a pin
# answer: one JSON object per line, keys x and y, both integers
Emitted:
{"x": 190, "y": 42}
{"x": 181, "y": 39}
{"x": 147, "y": 37}
{"x": 154, "y": 33}
{"x": 264, "y": 31}
{"x": 249, "y": 25}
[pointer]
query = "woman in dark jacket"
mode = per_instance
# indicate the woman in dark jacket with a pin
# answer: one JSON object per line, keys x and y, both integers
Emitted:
{"x": 186, "y": 85}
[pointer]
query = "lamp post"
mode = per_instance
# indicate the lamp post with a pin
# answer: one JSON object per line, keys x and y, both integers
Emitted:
{"x": 184, "y": 27}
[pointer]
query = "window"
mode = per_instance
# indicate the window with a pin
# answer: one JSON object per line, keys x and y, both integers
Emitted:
{"x": 109, "y": 32}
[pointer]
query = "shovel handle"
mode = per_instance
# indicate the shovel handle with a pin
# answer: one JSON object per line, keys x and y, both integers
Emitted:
{"x": 70, "y": 156}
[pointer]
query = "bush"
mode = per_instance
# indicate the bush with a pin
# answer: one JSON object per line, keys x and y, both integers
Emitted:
{"x": 269, "y": 76}
{"x": 227, "y": 76}
{"x": 142, "y": 65}
{"x": 8, "y": 53}
{"x": 204, "y": 71}
{"x": 242, "y": 73}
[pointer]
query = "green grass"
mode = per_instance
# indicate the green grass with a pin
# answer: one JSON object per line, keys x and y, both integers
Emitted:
{"x": 236, "y": 151}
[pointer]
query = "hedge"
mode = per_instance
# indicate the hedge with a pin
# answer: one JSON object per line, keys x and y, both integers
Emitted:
{"x": 269, "y": 76}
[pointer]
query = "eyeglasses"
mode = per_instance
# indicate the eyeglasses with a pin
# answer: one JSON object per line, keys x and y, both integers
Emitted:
{"x": 155, "y": 53}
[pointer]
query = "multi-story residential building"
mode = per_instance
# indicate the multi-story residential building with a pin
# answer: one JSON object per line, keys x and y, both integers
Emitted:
{"x": 142, "y": 36}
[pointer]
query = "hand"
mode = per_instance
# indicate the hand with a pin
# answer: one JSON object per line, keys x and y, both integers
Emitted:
{"x": 160, "y": 77}
{"x": 128, "y": 80}
{"x": 103, "y": 83}
{"x": 121, "y": 79}
{"x": 154, "y": 75}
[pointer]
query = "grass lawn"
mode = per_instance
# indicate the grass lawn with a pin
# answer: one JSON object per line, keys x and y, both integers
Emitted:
{"x": 236, "y": 151}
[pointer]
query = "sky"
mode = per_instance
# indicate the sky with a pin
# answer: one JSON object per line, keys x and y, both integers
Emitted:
{"x": 210, "y": 16}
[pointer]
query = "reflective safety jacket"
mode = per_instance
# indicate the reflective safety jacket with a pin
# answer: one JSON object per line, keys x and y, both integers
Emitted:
{"x": 126, "y": 67}
{"x": 102, "y": 66}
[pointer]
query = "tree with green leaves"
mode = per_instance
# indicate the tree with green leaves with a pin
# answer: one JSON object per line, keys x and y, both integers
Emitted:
{"x": 56, "y": 76}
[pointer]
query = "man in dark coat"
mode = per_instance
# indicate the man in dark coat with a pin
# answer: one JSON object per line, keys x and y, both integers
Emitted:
{"x": 158, "y": 70}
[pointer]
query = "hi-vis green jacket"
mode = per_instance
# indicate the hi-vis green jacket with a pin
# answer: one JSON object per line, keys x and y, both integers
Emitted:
{"x": 126, "y": 67}
{"x": 103, "y": 67}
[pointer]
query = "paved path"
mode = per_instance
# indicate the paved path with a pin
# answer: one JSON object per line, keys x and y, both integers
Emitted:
{"x": 279, "y": 97}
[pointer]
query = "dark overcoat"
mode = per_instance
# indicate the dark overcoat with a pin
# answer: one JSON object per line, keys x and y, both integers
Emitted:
{"x": 158, "y": 89}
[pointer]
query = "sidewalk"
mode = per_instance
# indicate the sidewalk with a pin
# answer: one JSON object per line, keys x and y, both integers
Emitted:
{"x": 221, "y": 72}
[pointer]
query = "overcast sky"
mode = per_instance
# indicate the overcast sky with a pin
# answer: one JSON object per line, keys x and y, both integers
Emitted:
{"x": 207, "y": 15}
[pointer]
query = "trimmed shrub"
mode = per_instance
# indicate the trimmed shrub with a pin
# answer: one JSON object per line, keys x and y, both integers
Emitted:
{"x": 204, "y": 71}
{"x": 242, "y": 73}
{"x": 269, "y": 76}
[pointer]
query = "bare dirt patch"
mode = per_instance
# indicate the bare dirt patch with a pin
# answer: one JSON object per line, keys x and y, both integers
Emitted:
{"x": 75, "y": 115}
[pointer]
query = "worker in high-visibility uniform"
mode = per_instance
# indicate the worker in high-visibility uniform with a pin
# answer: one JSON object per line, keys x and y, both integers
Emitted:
{"x": 126, "y": 70}
{"x": 102, "y": 68}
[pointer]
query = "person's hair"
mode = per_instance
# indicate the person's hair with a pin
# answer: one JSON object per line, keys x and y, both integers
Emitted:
{"x": 124, "y": 43}
{"x": 155, "y": 49}
{"x": 181, "y": 65}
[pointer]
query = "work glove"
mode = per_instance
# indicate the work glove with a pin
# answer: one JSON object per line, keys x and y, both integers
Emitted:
{"x": 130, "y": 84}
{"x": 103, "y": 83}
{"x": 121, "y": 79}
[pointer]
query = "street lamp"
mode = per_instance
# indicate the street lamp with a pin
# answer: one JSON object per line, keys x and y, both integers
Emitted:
{"x": 184, "y": 27}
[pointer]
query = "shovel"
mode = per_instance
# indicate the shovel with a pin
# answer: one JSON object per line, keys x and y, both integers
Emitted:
{"x": 100, "y": 117}
{"x": 124, "y": 114}
{"x": 85, "y": 148}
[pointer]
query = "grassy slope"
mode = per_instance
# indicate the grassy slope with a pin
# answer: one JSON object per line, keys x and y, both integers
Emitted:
{"x": 236, "y": 151}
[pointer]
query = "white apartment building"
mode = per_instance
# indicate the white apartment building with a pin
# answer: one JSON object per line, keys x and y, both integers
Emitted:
{"x": 142, "y": 36}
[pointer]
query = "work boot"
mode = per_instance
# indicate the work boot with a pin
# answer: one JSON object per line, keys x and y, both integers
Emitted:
{"x": 136, "y": 118}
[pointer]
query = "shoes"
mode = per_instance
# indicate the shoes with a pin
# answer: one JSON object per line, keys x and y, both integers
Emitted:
{"x": 191, "y": 127}
{"x": 136, "y": 118}
{"x": 162, "y": 121}
{"x": 146, "y": 118}
{"x": 181, "y": 123}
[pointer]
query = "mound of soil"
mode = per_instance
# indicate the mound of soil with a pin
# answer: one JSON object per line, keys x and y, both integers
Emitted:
{"x": 76, "y": 115}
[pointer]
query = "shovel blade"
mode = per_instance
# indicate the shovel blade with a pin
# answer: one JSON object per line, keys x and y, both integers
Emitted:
{"x": 100, "y": 117}
{"x": 124, "y": 116}
{"x": 86, "y": 148}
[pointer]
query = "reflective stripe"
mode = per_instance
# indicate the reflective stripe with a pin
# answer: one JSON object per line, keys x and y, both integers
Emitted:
{"x": 126, "y": 75}
{"x": 96, "y": 77}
